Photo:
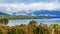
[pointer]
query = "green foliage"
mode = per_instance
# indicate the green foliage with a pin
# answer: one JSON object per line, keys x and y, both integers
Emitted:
{"x": 56, "y": 28}
{"x": 53, "y": 25}
{"x": 33, "y": 23}
{"x": 4, "y": 21}
{"x": 25, "y": 17}
{"x": 32, "y": 28}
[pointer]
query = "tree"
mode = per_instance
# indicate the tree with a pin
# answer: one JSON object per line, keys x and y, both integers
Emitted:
{"x": 41, "y": 29}
{"x": 32, "y": 27}
{"x": 54, "y": 25}
{"x": 33, "y": 23}
{"x": 56, "y": 28}
{"x": 4, "y": 21}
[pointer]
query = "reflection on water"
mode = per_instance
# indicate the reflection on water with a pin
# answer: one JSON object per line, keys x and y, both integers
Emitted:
{"x": 26, "y": 21}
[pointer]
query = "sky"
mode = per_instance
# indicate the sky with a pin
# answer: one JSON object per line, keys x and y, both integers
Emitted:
{"x": 29, "y": 7}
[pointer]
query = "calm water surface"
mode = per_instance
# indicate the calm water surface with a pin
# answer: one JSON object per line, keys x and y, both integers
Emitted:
{"x": 26, "y": 21}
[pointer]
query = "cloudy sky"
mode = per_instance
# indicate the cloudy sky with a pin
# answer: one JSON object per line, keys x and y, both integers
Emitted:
{"x": 28, "y": 7}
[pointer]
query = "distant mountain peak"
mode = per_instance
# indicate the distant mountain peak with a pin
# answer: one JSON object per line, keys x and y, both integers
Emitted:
{"x": 2, "y": 13}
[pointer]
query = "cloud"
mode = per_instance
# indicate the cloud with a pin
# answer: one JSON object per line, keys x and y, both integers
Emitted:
{"x": 21, "y": 14}
{"x": 47, "y": 15}
{"x": 35, "y": 6}
{"x": 28, "y": 8}
{"x": 33, "y": 15}
{"x": 31, "y": 6}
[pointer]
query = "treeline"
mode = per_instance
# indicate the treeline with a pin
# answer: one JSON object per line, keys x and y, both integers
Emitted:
{"x": 25, "y": 17}
{"x": 31, "y": 28}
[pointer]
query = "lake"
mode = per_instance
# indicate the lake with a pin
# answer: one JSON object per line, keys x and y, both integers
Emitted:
{"x": 26, "y": 21}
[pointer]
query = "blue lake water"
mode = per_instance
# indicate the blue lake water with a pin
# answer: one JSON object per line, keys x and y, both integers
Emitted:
{"x": 26, "y": 21}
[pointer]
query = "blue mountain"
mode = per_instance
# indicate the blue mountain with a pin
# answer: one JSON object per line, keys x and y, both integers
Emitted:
{"x": 51, "y": 13}
{"x": 48, "y": 13}
{"x": 3, "y": 14}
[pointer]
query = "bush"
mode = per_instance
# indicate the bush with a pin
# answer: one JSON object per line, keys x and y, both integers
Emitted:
{"x": 4, "y": 21}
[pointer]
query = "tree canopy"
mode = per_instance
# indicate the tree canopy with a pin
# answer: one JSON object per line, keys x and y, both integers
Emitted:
{"x": 4, "y": 21}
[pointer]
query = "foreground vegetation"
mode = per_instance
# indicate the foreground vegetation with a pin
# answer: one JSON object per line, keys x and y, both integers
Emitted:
{"x": 32, "y": 28}
{"x": 4, "y": 20}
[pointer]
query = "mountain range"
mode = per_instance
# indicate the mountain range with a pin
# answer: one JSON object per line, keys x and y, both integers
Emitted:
{"x": 47, "y": 13}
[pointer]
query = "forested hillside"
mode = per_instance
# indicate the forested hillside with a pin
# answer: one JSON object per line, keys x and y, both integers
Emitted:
{"x": 24, "y": 17}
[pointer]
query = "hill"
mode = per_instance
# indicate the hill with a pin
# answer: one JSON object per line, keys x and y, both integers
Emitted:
{"x": 25, "y": 17}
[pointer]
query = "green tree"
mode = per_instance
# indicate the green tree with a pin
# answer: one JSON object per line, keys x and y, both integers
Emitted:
{"x": 33, "y": 23}
{"x": 56, "y": 28}
{"x": 4, "y": 21}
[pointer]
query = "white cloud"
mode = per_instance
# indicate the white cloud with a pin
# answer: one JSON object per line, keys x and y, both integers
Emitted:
{"x": 35, "y": 6}
{"x": 47, "y": 15}
{"x": 31, "y": 6}
{"x": 21, "y": 14}
{"x": 33, "y": 15}
{"x": 53, "y": 15}
{"x": 44, "y": 15}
